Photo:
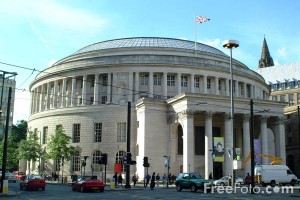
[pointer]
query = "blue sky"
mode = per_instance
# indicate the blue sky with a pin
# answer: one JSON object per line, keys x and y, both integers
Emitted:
{"x": 36, "y": 33}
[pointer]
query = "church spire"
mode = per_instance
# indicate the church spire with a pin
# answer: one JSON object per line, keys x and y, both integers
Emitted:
{"x": 266, "y": 59}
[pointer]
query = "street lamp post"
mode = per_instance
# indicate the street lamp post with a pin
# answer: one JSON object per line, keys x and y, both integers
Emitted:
{"x": 168, "y": 165}
{"x": 230, "y": 44}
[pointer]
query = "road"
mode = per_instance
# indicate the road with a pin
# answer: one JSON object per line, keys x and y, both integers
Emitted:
{"x": 59, "y": 191}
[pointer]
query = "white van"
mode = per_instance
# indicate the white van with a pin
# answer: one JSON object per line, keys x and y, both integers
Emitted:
{"x": 275, "y": 174}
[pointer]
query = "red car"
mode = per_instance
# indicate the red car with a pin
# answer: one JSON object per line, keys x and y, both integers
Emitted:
{"x": 33, "y": 182}
{"x": 19, "y": 175}
{"x": 87, "y": 184}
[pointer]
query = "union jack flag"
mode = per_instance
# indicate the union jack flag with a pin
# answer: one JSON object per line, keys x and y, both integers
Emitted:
{"x": 201, "y": 19}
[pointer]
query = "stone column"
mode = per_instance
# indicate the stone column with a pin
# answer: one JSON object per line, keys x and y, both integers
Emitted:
{"x": 187, "y": 120}
{"x": 280, "y": 140}
{"x": 83, "y": 93}
{"x": 264, "y": 138}
{"x": 96, "y": 90}
{"x": 37, "y": 99}
{"x": 42, "y": 98}
{"x": 245, "y": 90}
{"x": 204, "y": 84}
{"x": 32, "y": 101}
{"x": 228, "y": 144}
{"x": 73, "y": 92}
{"x": 151, "y": 84}
{"x": 63, "y": 93}
{"x": 227, "y": 90}
{"x": 179, "y": 82}
{"x": 217, "y": 85}
{"x": 48, "y": 96}
{"x": 208, "y": 144}
{"x": 237, "y": 91}
{"x": 192, "y": 83}
{"x": 165, "y": 85}
{"x": 246, "y": 142}
{"x": 54, "y": 95}
{"x": 109, "y": 87}
{"x": 137, "y": 86}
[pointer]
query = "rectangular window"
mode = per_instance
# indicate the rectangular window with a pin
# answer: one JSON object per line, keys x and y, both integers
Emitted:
{"x": 97, "y": 132}
{"x": 219, "y": 82}
{"x": 208, "y": 83}
{"x": 75, "y": 162}
{"x": 274, "y": 98}
{"x": 144, "y": 78}
{"x": 196, "y": 82}
{"x": 76, "y": 133}
{"x": 291, "y": 99}
{"x": 157, "y": 96}
{"x": 199, "y": 140}
{"x": 184, "y": 81}
{"x": 91, "y": 100}
{"x": 45, "y": 134}
{"x": 157, "y": 79}
{"x": 104, "y": 80}
{"x": 103, "y": 100}
{"x": 121, "y": 132}
{"x": 170, "y": 80}
{"x": 283, "y": 98}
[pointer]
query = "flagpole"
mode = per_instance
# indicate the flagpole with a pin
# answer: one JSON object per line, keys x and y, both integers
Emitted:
{"x": 195, "y": 32}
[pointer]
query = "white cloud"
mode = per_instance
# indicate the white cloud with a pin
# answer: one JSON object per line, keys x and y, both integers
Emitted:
{"x": 214, "y": 43}
{"x": 282, "y": 52}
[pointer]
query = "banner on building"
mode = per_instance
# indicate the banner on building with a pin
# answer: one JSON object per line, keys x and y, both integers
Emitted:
{"x": 218, "y": 149}
{"x": 257, "y": 150}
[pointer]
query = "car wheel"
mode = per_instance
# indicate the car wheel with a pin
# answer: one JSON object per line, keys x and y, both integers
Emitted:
{"x": 81, "y": 189}
{"x": 178, "y": 187}
{"x": 293, "y": 182}
{"x": 273, "y": 183}
{"x": 222, "y": 183}
{"x": 193, "y": 188}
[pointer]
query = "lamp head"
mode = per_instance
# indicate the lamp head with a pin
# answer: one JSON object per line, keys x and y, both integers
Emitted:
{"x": 229, "y": 44}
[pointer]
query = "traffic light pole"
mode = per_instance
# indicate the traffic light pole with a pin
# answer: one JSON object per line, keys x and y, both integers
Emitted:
{"x": 128, "y": 145}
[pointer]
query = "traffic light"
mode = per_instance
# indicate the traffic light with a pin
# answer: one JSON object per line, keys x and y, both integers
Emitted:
{"x": 145, "y": 162}
{"x": 125, "y": 159}
{"x": 129, "y": 158}
{"x": 103, "y": 159}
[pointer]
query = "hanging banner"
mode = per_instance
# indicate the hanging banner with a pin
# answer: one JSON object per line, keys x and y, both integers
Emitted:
{"x": 218, "y": 149}
{"x": 257, "y": 149}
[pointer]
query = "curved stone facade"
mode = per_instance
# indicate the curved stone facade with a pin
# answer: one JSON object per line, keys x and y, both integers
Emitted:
{"x": 173, "y": 89}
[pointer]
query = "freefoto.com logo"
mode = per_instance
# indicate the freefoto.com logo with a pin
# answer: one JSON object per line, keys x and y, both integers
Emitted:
{"x": 247, "y": 189}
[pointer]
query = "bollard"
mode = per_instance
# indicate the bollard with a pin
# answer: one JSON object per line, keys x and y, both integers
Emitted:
{"x": 5, "y": 187}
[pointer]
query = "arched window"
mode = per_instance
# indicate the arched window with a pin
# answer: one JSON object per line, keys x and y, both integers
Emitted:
{"x": 119, "y": 159}
{"x": 180, "y": 140}
{"x": 75, "y": 165}
{"x": 96, "y": 157}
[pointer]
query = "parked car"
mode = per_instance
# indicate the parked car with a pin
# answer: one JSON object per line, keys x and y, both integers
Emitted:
{"x": 192, "y": 181}
{"x": 19, "y": 175}
{"x": 224, "y": 181}
{"x": 33, "y": 182}
{"x": 8, "y": 176}
{"x": 87, "y": 184}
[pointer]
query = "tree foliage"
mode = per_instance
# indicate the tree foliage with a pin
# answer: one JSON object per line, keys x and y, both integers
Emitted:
{"x": 30, "y": 149}
{"x": 18, "y": 133}
{"x": 59, "y": 147}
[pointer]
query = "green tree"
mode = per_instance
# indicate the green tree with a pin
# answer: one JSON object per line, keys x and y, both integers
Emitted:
{"x": 59, "y": 147}
{"x": 30, "y": 149}
{"x": 18, "y": 133}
